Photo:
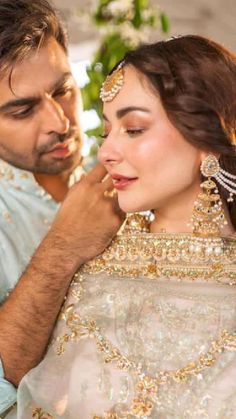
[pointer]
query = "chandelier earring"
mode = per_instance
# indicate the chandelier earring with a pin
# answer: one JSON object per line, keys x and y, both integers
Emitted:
{"x": 208, "y": 214}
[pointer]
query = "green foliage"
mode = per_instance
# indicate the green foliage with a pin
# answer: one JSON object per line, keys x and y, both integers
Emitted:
{"x": 125, "y": 24}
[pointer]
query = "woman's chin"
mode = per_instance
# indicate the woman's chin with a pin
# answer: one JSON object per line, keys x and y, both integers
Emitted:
{"x": 130, "y": 207}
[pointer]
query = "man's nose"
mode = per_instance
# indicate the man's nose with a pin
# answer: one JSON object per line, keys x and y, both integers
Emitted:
{"x": 55, "y": 118}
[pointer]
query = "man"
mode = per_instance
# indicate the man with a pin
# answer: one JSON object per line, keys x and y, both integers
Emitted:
{"x": 40, "y": 140}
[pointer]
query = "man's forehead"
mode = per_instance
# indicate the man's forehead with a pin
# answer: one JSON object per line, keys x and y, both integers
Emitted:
{"x": 10, "y": 89}
{"x": 38, "y": 71}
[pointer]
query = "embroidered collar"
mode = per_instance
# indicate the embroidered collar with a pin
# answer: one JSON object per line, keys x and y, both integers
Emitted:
{"x": 24, "y": 180}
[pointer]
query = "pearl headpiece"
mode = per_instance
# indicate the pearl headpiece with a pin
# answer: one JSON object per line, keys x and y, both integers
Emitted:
{"x": 113, "y": 84}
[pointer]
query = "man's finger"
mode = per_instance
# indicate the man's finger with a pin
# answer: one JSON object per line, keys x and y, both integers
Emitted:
{"x": 97, "y": 174}
{"x": 117, "y": 209}
{"x": 107, "y": 184}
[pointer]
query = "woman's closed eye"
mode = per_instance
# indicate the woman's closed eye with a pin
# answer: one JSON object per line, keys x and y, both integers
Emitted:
{"x": 132, "y": 132}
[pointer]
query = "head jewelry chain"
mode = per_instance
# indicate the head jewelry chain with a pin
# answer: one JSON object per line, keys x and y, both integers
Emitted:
{"x": 113, "y": 84}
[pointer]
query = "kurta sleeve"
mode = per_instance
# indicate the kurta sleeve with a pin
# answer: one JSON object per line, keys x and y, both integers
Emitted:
{"x": 7, "y": 392}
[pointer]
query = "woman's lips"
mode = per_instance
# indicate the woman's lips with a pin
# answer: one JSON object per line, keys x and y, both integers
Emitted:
{"x": 121, "y": 182}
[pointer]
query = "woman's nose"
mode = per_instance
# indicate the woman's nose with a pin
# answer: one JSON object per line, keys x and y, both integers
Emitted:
{"x": 109, "y": 154}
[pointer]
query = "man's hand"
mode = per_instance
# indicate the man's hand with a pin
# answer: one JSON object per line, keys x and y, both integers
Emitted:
{"x": 88, "y": 218}
{"x": 83, "y": 227}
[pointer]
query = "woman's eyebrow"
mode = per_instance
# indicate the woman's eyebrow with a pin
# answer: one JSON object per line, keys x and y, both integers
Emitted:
{"x": 122, "y": 112}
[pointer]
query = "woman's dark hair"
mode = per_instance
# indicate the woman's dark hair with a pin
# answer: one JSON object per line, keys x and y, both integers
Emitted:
{"x": 24, "y": 25}
{"x": 196, "y": 81}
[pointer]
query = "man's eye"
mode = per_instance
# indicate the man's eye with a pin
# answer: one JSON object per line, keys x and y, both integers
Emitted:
{"x": 64, "y": 91}
{"x": 22, "y": 113}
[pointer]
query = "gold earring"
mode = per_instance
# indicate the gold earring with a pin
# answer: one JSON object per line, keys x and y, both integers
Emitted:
{"x": 208, "y": 215}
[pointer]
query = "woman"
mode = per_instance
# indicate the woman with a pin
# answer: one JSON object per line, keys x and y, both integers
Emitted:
{"x": 148, "y": 328}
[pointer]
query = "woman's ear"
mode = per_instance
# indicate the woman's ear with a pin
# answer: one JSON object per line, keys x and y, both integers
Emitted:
{"x": 204, "y": 154}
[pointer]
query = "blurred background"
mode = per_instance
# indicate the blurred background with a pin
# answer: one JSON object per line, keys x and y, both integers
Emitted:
{"x": 101, "y": 31}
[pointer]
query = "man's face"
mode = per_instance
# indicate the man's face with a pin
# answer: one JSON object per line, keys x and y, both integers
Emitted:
{"x": 39, "y": 113}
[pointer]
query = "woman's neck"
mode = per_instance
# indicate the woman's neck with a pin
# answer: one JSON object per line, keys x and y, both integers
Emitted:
{"x": 168, "y": 221}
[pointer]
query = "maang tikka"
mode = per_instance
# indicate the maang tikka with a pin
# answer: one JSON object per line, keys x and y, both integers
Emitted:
{"x": 113, "y": 84}
{"x": 208, "y": 214}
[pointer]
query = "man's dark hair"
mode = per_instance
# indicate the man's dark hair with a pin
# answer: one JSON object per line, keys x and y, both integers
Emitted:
{"x": 24, "y": 26}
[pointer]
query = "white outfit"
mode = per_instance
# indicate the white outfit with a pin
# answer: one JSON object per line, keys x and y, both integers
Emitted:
{"x": 147, "y": 331}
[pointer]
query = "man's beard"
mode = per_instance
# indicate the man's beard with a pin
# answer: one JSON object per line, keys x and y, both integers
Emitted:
{"x": 58, "y": 165}
{"x": 39, "y": 162}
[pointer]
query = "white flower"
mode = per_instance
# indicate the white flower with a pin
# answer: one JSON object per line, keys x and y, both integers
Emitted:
{"x": 132, "y": 35}
{"x": 119, "y": 8}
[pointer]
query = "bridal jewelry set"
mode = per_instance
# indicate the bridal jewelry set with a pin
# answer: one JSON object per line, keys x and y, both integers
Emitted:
{"x": 208, "y": 214}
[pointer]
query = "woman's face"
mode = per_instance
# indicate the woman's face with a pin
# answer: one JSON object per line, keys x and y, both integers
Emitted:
{"x": 150, "y": 162}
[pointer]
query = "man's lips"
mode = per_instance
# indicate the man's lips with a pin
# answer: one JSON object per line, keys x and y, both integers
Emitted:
{"x": 63, "y": 149}
{"x": 121, "y": 182}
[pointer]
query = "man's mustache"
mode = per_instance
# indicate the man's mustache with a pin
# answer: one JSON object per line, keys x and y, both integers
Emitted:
{"x": 58, "y": 138}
